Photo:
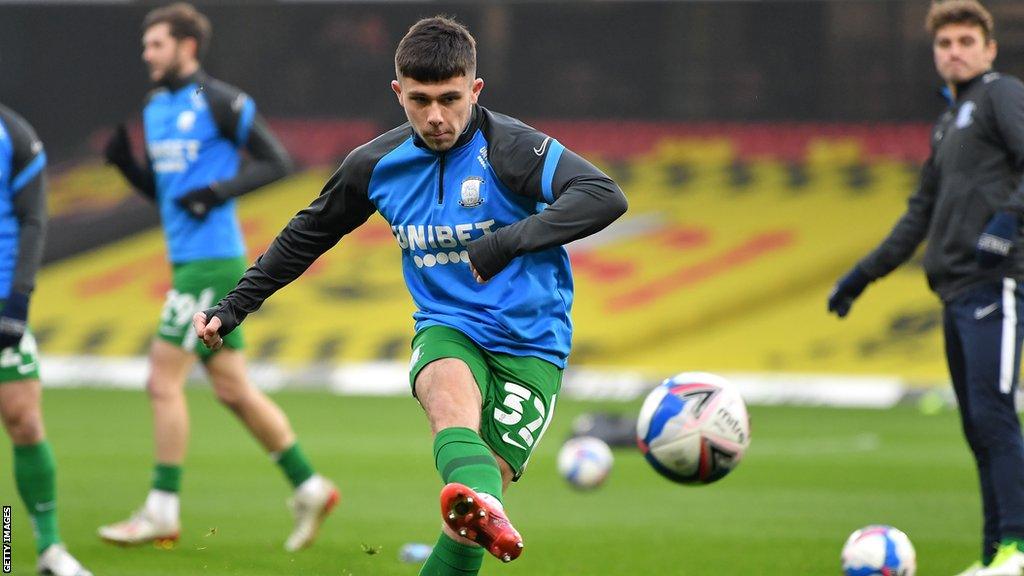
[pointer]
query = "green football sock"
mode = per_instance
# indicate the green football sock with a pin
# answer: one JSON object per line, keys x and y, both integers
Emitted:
{"x": 167, "y": 478}
{"x": 295, "y": 465}
{"x": 461, "y": 456}
{"x": 449, "y": 558}
{"x": 35, "y": 473}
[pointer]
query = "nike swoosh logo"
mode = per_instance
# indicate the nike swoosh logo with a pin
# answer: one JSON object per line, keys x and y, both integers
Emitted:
{"x": 543, "y": 147}
{"x": 509, "y": 440}
{"x": 46, "y": 506}
{"x": 980, "y": 313}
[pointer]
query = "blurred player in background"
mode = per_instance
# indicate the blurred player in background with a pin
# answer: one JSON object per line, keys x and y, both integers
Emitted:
{"x": 195, "y": 128}
{"x": 22, "y": 233}
{"x": 480, "y": 205}
{"x": 968, "y": 206}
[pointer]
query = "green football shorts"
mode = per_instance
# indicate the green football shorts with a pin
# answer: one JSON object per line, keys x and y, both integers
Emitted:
{"x": 20, "y": 362}
{"x": 518, "y": 392}
{"x": 196, "y": 286}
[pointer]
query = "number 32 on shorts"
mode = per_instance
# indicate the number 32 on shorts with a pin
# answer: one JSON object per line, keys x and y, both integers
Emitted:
{"x": 521, "y": 406}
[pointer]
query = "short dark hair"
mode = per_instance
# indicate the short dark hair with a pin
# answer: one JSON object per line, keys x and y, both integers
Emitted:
{"x": 436, "y": 49}
{"x": 185, "y": 22}
{"x": 960, "y": 12}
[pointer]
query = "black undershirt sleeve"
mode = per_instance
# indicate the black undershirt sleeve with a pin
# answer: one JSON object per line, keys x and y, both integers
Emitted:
{"x": 585, "y": 201}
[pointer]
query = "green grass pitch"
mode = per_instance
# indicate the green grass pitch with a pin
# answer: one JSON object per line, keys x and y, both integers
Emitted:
{"x": 812, "y": 476}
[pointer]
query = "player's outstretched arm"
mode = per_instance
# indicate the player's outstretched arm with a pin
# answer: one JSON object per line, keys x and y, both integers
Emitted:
{"x": 910, "y": 230}
{"x": 908, "y": 233}
{"x": 118, "y": 151}
{"x": 341, "y": 208}
{"x": 582, "y": 200}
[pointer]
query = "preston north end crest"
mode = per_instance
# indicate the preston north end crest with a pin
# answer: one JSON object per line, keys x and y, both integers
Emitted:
{"x": 186, "y": 120}
{"x": 471, "y": 192}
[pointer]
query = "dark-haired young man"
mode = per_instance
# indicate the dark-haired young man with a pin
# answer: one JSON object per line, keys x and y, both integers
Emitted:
{"x": 195, "y": 128}
{"x": 22, "y": 233}
{"x": 969, "y": 205}
{"x": 480, "y": 205}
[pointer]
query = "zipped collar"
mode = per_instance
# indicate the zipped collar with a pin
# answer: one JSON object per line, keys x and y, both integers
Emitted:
{"x": 475, "y": 120}
{"x": 174, "y": 84}
{"x": 962, "y": 88}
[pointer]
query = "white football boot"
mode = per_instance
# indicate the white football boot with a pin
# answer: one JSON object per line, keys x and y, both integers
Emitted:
{"x": 142, "y": 527}
{"x": 57, "y": 561}
{"x": 313, "y": 501}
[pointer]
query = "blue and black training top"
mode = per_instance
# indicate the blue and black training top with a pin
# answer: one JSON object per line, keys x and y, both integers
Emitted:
{"x": 22, "y": 204}
{"x": 505, "y": 197}
{"x": 976, "y": 169}
{"x": 196, "y": 128}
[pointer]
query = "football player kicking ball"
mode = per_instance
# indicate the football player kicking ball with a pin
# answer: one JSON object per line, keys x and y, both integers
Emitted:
{"x": 196, "y": 128}
{"x": 480, "y": 205}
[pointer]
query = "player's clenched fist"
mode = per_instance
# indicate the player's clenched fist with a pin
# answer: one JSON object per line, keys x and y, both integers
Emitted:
{"x": 207, "y": 330}
{"x": 213, "y": 324}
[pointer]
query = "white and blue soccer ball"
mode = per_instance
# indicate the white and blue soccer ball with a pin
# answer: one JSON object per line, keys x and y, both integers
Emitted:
{"x": 694, "y": 428}
{"x": 879, "y": 551}
{"x": 585, "y": 462}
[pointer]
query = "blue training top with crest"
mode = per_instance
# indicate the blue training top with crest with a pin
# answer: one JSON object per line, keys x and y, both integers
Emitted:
{"x": 505, "y": 198}
{"x": 195, "y": 128}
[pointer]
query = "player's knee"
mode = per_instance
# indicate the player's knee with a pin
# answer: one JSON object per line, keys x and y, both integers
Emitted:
{"x": 230, "y": 400}
{"x": 231, "y": 396}
{"x": 25, "y": 426}
{"x": 452, "y": 415}
{"x": 163, "y": 389}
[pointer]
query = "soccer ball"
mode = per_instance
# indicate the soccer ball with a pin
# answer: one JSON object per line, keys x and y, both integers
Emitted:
{"x": 585, "y": 462}
{"x": 879, "y": 551}
{"x": 694, "y": 428}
